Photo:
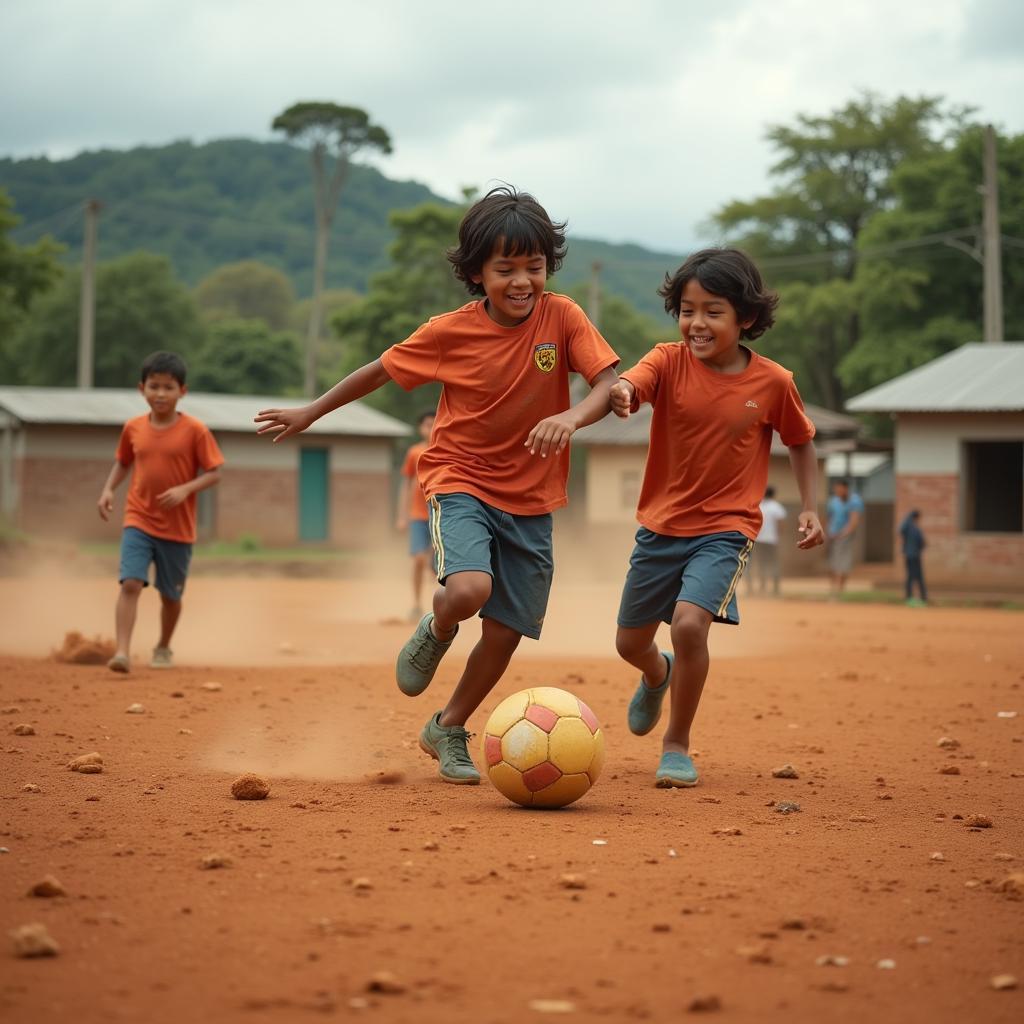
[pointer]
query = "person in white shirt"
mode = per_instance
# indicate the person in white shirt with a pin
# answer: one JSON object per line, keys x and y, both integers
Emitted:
{"x": 766, "y": 546}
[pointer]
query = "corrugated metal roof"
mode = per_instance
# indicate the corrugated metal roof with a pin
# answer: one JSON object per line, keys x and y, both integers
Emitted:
{"x": 112, "y": 406}
{"x": 636, "y": 429}
{"x": 976, "y": 377}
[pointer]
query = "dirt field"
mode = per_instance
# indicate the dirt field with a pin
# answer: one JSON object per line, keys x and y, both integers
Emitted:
{"x": 462, "y": 900}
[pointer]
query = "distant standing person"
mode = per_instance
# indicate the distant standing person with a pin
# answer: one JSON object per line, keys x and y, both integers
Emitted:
{"x": 414, "y": 513}
{"x": 845, "y": 511}
{"x": 766, "y": 546}
{"x": 913, "y": 545}
{"x": 164, "y": 452}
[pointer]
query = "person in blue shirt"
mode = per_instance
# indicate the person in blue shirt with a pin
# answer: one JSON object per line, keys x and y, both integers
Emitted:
{"x": 913, "y": 544}
{"x": 845, "y": 511}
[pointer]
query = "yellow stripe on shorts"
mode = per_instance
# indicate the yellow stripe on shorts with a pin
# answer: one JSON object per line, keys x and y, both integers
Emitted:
{"x": 743, "y": 558}
{"x": 435, "y": 534}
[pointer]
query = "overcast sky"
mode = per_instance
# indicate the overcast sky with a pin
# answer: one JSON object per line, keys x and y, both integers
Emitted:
{"x": 634, "y": 119}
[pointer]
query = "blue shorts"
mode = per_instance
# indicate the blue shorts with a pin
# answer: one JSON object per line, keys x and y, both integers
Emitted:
{"x": 515, "y": 551}
{"x": 699, "y": 570}
{"x": 171, "y": 558}
{"x": 419, "y": 536}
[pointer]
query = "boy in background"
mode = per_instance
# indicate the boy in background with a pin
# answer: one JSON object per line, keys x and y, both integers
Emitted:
{"x": 171, "y": 457}
{"x": 413, "y": 515}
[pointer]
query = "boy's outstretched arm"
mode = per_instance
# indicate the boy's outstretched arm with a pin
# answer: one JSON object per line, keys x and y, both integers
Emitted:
{"x": 804, "y": 460}
{"x": 114, "y": 480}
{"x": 359, "y": 383}
{"x": 552, "y": 434}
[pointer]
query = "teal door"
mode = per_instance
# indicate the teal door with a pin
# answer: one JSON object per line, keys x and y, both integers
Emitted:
{"x": 313, "y": 494}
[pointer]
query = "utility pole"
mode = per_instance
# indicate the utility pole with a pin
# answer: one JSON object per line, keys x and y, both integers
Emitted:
{"x": 992, "y": 263}
{"x": 594, "y": 296}
{"x": 87, "y": 308}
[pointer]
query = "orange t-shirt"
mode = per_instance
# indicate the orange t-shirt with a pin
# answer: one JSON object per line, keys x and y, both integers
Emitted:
{"x": 499, "y": 383}
{"x": 161, "y": 459}
{"x": 711, "y": 437}
{"x": 417, "y": 499}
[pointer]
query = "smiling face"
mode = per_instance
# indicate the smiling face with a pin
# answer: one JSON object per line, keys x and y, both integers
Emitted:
{"x": 710, "y": 328}
{"x": 512, "y": 284}
{"x": 162, "y": 392}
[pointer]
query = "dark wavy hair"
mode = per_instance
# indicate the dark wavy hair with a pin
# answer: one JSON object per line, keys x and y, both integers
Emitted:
{"x": 734, "y": 276}
{"x": 164, "y": 362}
{"x": 517, "y": 222}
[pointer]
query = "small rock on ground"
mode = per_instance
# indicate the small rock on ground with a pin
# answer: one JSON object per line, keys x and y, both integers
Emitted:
{"x": 47, "y": 886}
{"x": 250, "y": 787}
{"x": 31, "y": 940}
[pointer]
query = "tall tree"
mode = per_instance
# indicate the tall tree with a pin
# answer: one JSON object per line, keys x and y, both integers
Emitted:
{"x": 247, "y": 290}
{"x": 25, "y": 273}
{"x": 330, "y": 131}
{"x": 835, "y": 173}
{"x": 244, "y": 357}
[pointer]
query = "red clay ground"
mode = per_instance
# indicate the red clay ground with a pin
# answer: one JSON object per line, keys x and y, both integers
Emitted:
{"x": 465, "y": 906}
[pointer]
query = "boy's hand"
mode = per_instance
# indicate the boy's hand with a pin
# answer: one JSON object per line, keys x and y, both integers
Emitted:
{"x": 283, "y": 422}
{"x": 621, "y": 395}
{"x": 551, "y": 435}
{"x": 105, "y": 505}
{"x": 173, "y": 496}
{"x": 809, "y": 527}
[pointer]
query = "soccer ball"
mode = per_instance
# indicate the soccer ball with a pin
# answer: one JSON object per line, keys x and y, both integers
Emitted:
{"x": 543, "y": 747}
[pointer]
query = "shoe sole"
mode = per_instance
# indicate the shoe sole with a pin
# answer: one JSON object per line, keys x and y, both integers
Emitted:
{"x": 448, "y": 778}
{"x": 665, "y": 783}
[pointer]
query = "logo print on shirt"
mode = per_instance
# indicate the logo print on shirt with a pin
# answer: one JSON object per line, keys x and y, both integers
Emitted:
{"x": 545, "y": 356}
{"x": 751, "y": 404}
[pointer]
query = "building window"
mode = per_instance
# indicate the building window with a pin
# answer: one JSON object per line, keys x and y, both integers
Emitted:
{"x": 629, "y": 488}
{"x": 994, "y": 486}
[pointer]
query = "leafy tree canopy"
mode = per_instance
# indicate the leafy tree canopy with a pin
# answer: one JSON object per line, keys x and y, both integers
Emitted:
{"x": 248, "y": 290}
{"x": 247, "y": 357}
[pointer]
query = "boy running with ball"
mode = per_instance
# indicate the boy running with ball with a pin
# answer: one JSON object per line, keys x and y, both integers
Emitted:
{"x": 716, "y": 404}
{"x": 498, "y": 460}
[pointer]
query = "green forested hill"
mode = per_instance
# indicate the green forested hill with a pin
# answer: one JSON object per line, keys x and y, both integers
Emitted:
{"x": 235, "y": 199}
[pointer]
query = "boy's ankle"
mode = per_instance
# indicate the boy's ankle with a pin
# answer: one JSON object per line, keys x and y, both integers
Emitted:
{"x": 442, "y": 635}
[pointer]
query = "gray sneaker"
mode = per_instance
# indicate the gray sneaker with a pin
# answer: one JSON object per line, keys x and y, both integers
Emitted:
{"x": 419, "y": 658}
{"x": 162, "y": 658}
{"x": 447, "y": 744}
{"x": 645, "y": 707}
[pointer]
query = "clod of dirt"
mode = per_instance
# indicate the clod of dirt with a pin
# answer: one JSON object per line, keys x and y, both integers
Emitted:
{"x": 11, "y": 709}
{"x": 215, "y": 860}
{"x": 572, "y": 881}
{"x": 80, "y": 650}
{"x": 47, "y": 886}
{"x": 551, "y": 1006}
{"x": 726, "y": 832}
{"x": 33, "y": 940}
{"x": 211, "y": 687}
{"x": 832, "y": 961}
{"x": 787, "y": 771}
{"x": 24, "y": 730}
{"x": 758, "y": 954}
{"x": 886, "y": 965}
{"x": 1013, "y": 885}
{"x": 704, "y": 1004}
{"x": 949, "y": 769}
{"x": 135, "y": 709}
{"x": 392, "y": 778}
{"x": 786, "y": 807}
{"x": 30, "y": 787}
{"x": 90, "y": 769}
{"x": 937, "y": 857}
{"x": 92, "y": 758}
{"x": 1003, "y": 982}
{"x": 794, "y": 924}
{"x": 362, "y": 884}
{"x": 250, "y": 787}
{"x": 978, "y": 821}
{"x": 948, "y": 743}
{"x": 385, "y": 983}
{"x": 431, "y": 846}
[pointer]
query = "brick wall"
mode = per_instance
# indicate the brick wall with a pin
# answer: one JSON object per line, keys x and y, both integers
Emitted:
{"x": 58, "y": 498}
{"x": 951, "y": 554}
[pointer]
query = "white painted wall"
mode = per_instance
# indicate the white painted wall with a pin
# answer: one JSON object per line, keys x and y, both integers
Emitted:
{"x": 930, "y": 442}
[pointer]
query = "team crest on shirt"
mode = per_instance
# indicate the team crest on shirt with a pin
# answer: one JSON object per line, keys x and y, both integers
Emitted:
{"x": 545, "y": 356}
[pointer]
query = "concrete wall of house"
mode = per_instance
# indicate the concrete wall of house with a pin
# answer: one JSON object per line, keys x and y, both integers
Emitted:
{"x": 930, "y": 477}
{"x": 57, "y": 472}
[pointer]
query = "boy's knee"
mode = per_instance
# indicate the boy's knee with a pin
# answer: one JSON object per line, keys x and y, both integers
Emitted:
{"x": 468, "y": 589}
{"x": 627, "y": 643}
{"x": 690, "y": 625}
{"x": 132, "y": 587}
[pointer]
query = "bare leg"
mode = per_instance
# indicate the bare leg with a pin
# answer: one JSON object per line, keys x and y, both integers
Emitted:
{"x": 637, "y": 646}
{"x": 124, "y": 614}
{"x": 170, "y": 612}
{"x": 462, "y": 596}
{"x": 484, "y": 667}
{"x": 690, "y": 625}
{"x": 419, "y": 568}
